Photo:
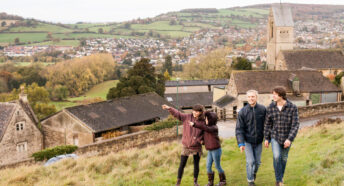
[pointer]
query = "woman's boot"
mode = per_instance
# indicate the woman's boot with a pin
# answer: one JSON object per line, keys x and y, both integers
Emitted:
{"x": 210, "y": 179}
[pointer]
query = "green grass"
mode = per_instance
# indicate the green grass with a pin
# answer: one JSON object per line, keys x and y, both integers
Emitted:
{"x": 41, "y": 27}
{"x": 62, "y": 104}
{"x": 73, "y": 43}
{"x": 23, "y": 37}
{"x": 316, "y": 158}
{"x": 259, "y": 13}
{"x": 99, "y": 90}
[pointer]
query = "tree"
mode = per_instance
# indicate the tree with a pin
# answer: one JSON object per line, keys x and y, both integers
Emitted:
{"x": 168, "y": 65}
{"x": 167, "y": 75}
{"x": 127, "y": 25}
{"x": 16, "y": 41}
{"x": 242, "y": 64}
{"x": 100, "y": 31}
{"x": 141, "y": 79}
{"x": 210, "y": 66}
{"x": 49, "y": 36}
{"x": 3, "y": 23}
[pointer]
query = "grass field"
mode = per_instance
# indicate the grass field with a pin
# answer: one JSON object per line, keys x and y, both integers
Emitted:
{"x": 41, "y": 27}
{"x": 73, "y": 43}
{"x": 316, "y": 158}
{"x": 98, "y": 91}
{"x": 23, "y": 37}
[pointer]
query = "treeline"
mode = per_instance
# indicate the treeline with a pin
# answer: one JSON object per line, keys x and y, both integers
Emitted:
{"x": 49, "y": 56}
{"x": 11, "y": 76}
{"x": 3, "y": 15}
{"x": 80, "y": 74}
{"x": 200, "y": 10}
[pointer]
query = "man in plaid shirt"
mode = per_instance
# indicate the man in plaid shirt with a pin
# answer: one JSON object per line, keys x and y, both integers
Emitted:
{"x": 280, "y": 128}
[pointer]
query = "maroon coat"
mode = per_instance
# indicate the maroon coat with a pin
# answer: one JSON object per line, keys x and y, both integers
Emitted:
{"x": 191, "y": 136}
{"x": 211, "y": 135}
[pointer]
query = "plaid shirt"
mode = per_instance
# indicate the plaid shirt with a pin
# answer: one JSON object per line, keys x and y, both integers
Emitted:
{"x": 281, "y": 125}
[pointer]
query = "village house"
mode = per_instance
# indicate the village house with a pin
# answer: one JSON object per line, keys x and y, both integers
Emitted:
{"x": 304, "y": 87}
{"x": 327, "y": 61}
{"x": 86, "y": 124}
{"x": 20, "y": 135}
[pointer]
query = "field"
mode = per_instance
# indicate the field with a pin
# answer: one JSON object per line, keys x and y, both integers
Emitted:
{"x": 98, "y": 91}
{"x": 316, "y": 158}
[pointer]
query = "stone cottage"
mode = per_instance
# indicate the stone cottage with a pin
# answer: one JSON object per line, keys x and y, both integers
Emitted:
{"x": 20, "y": 135}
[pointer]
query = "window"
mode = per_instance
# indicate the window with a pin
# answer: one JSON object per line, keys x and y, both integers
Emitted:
{"x": 20, "y": 126}
{"x": 21, "y": 147}
{"x": 75, "y": 140}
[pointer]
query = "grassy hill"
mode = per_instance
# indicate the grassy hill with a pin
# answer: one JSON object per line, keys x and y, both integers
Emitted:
{"x": 316, "y": 158}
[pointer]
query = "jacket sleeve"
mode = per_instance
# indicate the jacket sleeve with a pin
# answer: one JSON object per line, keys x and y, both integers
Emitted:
{"x": 239, "y": 130}
{"x": 175, "y": 113}
{"x": 267, "y": 125}
{"x": 294, "y": 125}
{"x": 204, "y": 127}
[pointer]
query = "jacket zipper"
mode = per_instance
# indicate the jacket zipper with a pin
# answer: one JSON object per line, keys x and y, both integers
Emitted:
{"x": 255, "y": 126}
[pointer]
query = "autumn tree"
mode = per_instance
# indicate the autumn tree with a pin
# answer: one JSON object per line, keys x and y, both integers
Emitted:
{"x": 167, "y": 65}
{"x": 209, "y": 66}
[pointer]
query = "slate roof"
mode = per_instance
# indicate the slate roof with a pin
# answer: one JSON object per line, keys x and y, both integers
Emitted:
{"x": 282, "y": 15}
{"x": 112, "y": 114}
{"x": 313, "y": 58}
{"x": 196, "y": 82}
{"x": 224, "y": 100}
{"x": 264, "y": 81}
{"x": 190, "y": 99}
{"x": 6, "y": 112}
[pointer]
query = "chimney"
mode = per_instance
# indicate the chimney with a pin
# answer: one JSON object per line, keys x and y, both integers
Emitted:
{"x": 294, "y": 83}
{"x": 22, "y": 95}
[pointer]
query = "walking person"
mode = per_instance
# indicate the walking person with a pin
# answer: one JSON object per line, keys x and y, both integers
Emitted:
{"x": 213, "y": 145}
{"x": 190, "y": 140}
{"x": 281, "y": 127}
{"x": 249, "y": 133}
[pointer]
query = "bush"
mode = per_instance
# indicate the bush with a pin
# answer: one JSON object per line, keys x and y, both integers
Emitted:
{"x": 168, "y": 123}
{"x": 52, "y": 152}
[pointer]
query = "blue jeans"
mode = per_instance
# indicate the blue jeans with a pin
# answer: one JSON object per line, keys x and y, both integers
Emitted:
{"x": 253, "y": 155}
{"x": 280, "y": 157}
{"x": 214, "y": 156}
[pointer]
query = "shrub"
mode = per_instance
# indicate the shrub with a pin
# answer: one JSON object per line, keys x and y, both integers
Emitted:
{"x": 52, "y": 152}
{"x": 168, "y": 123}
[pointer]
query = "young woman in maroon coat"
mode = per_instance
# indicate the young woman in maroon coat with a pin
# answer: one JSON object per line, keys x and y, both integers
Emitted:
{"x": 213, "y": 145}
{"x": 191, "y": 139}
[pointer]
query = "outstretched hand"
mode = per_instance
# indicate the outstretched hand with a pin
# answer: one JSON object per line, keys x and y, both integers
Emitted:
{"x": 191, "y": 123}
{"x": 165, "y": 107}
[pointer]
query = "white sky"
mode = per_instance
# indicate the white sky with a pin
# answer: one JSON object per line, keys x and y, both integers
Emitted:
{"x": 71, "y": 11}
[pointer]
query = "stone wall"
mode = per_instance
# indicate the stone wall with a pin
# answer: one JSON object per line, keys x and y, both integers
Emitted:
{"x": 318, "y": 109}
{"x": 139, "y": 139}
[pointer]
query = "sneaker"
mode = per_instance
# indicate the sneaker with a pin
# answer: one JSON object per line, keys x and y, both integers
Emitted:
{"x": 251, "y": 183}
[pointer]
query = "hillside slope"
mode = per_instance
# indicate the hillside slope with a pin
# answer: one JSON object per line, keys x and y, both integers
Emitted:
{"x": 316, "y": 158}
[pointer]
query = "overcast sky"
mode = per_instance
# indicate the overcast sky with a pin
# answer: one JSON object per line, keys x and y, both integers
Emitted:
{"x": 71, "y": 11}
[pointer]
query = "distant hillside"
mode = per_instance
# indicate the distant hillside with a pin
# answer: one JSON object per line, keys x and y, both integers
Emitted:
{"x": 316, "y": 158}
{"x": 164, "y": 26}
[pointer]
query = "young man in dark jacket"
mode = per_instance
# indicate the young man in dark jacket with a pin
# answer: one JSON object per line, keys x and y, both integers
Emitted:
{"x": 249, "y": 132}
{"x": 281, "y": 127}
{"x": 213, "y": 145}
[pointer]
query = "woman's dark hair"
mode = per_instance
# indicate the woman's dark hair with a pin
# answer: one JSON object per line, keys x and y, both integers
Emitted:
{"x": 198, "y": 108}
{"x": 212, "y": 117}
{"x": 281, "y": 92}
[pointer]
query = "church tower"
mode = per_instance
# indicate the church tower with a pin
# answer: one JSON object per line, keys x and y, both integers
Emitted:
{"x": 280, "y": 33}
